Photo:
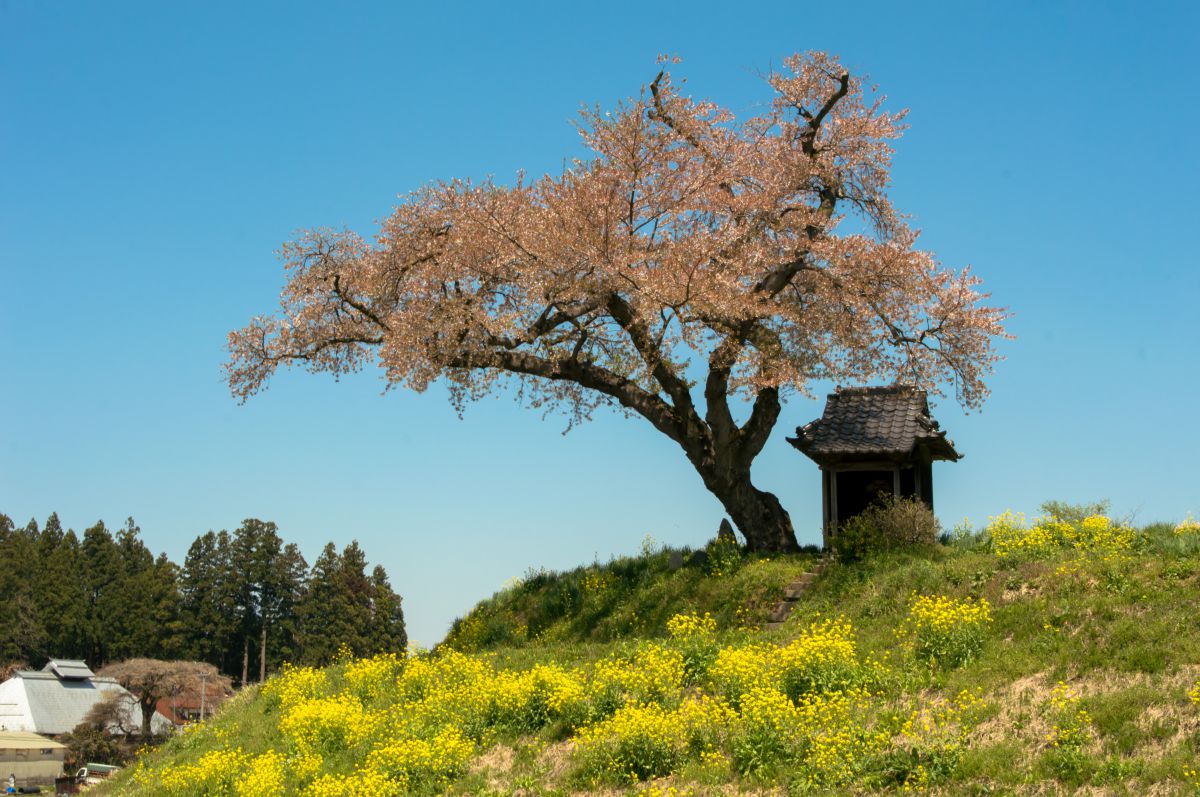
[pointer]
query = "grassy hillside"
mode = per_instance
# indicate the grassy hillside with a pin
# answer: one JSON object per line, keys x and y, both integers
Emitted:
{"x": 1042, "y": 659}
{"x": 630, "y": 597}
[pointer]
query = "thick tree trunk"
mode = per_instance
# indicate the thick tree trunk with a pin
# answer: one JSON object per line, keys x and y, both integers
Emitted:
{"x": 758, "y": 515}
{"x": 722, "y": 453}
{"x": 147, "y": 717}
{"x": 245, "y": 659}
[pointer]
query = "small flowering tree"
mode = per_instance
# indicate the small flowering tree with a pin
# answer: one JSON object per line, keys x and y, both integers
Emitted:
{"x": 151, "y": 680}
{"x": 694, "y": 259}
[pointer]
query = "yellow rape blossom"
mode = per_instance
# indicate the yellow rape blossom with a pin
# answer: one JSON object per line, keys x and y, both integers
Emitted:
{"x": 653, "y": 674}
{"x": 823, "y": 658}
{"x": 1071, "y": 725}
{"x": 595, "y": 583}
{"x": 374, "y": 677}
{"x": 635, "y": 743}
{"x": 325, "y": 725}
{"x": 294, "y": 685}
{"x": 684, "y": 626}
{"x": 264, "y": 776}
{"x": 1188, "y": 526}
{"x": 413, "y": 764}
{"x": 945, "y": 630}
{"x": 388, "y": 725}
{"x": 1097, "y": 535}
{"x": 670, "y": 791}
{"x": 362, "y": 783}
{"x": 214, "y": 773}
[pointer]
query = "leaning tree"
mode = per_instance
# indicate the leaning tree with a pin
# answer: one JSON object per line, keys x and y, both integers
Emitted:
{"x": 694, "y": 260}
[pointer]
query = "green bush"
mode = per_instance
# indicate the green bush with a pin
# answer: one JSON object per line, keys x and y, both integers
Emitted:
{"x": 88, "y": 744}
{"x": 1074, "y": 513}
{"x": 855, "y": 538}
{"x": 723, "y": 554}
{"x": 1162, "y": 538}
{"x": 891, "y": 522}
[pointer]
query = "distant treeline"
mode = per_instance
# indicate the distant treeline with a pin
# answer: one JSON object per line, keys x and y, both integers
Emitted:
{"x": 245, "y": 602}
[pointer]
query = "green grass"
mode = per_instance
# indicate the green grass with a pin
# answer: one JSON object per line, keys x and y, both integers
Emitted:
{"x": 629, "y": 597}
{"x": 1125, "y": 637}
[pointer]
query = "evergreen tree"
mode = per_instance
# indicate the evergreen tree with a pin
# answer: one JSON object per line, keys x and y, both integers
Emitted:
{"x": 22, "y": 631}
{"x": 252, "y": 544}
{"x": 270, "y": 578}
{"x": 101, "y": 577}
{"x": 387, "y": 620}
{"x": 132, "y": 598}
{"x": 245, "y": 602}
{"x": 156, "y": 629}
{"x": 61, "y": 597}
{"x": 328, "y": 617}
{"x": 314, "y": 614}
{"x": 343, "y": 607}
{"x": 52, "y": 534}
{"x": 356, "y": 595}
{"x": 208, "y": 605}
{"x": 280, "y": 598}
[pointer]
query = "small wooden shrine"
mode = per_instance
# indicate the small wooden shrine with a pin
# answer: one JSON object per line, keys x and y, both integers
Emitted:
{"x": 873, "y": 440}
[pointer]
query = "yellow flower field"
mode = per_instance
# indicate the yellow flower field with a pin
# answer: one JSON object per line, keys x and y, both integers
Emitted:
{"x": 386, "y": 725}
{"x": 703, "y": 707}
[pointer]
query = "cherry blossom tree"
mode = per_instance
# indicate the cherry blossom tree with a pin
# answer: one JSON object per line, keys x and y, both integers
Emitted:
{"x": 151, "y": 680}
{"x": 694, "y": 262}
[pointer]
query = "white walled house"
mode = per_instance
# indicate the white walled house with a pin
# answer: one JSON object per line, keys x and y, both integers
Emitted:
{"x": 56, "y": 698}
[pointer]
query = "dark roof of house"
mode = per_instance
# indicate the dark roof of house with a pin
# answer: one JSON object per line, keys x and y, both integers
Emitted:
{"x": 862, "y": 422}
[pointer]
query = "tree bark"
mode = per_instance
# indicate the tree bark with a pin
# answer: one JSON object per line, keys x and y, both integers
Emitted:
{"x": 147, "y": 716}
{"x": 758, "y": 515}
{"x": 721, "y": 452}
{"x": 245, "y": 659}
{"x": 764, "y": 522}
{"x": 262, "y": 656}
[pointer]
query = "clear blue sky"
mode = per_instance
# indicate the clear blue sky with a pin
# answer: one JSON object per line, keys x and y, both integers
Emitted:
{"x": 154, "y": 155}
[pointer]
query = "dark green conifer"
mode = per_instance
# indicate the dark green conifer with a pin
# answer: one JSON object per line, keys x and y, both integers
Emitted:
{"x": 22, "y": 635}
{"x": 101, "y": 574}
{"x": 208, "y": 600}
{"x": 61, "y": 597}
{"x": 387, "y": 620}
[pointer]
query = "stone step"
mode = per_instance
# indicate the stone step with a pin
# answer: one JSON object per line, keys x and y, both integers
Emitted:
{"x": 792, "y": 594}
{"x": 779, "y": 613}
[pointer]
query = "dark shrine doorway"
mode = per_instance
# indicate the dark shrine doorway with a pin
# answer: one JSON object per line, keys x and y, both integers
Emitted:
{"x": 858, "y": 489}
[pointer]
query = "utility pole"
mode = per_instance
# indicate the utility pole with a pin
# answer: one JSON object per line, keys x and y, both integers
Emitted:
{"x": 203, "y": 691}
